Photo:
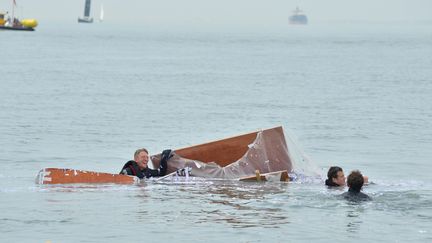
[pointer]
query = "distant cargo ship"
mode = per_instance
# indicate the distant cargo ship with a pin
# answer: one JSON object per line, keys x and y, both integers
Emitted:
{"x": 298, "y": 17}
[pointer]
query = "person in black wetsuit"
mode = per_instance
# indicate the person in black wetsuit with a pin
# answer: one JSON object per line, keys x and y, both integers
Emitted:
{"x": 355, "y": 183}
{"x": 138, "y": 167}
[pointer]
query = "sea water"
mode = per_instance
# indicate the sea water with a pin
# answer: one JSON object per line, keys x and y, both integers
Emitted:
{"x": 86, "y": 96}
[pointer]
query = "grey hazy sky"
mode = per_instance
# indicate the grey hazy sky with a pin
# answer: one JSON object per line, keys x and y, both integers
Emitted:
{"x": 228, "y": 13}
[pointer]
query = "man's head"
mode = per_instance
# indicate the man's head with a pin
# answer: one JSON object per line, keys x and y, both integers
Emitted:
{"x": 141, "y": 157}
{"x": 355, "y": 180}
{"x": 336, "y": 175}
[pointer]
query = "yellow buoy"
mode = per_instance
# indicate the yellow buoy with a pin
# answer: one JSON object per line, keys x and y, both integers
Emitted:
{"x": 30, "y": 23}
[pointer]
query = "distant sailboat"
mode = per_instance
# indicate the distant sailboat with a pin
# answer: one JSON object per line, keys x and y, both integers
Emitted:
{"x": 101, "y": 14}
{"x": 86, "y": 18}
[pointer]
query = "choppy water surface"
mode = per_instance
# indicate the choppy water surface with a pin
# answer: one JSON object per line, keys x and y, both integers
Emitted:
{"x": 87, "y": 97}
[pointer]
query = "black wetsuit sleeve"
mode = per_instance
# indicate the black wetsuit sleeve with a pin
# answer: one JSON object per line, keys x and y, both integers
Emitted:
{"x": 161, "y": 171}
{"x": 156, "y": 173}
{"x": 151, "y": 173}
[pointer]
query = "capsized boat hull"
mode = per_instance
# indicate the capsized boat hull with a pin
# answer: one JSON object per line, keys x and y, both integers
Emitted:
{"x": 230, "y": 158}
{"x": 235, "y": 157}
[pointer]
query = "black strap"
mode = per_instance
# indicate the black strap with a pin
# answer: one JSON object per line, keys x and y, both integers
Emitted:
{"x": 165, "y": 156}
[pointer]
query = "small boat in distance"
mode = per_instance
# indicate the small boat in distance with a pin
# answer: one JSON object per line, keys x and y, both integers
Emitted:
{"x": 13, "y": 23}
{"x": 298, "y": 18}
{"x": 86, "y": 18}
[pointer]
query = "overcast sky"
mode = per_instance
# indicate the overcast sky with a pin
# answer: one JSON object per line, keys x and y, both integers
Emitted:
{"x": 229, "y": 13}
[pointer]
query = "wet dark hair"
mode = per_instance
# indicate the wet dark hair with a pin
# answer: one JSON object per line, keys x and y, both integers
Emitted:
{"x": 332, "y": 173}
{"x": 355, "y": 180}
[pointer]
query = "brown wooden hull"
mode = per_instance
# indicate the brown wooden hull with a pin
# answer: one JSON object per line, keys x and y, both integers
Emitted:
{"x": 223, "y": 152}
{"x": 68, "y": 176}
{"x": 235, "y": 157}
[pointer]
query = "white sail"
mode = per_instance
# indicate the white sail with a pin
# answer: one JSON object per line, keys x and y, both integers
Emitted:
{"x": 86, "y": 18}
{"x": 12, "y": 20}
{"x": 101, "y": 14}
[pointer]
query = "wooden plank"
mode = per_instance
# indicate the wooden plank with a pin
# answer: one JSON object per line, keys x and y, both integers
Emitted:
{"x": 272, "y": 176}
{"x": 67, "y": 176}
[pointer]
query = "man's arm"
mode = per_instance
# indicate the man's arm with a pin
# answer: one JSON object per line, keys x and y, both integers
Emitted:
{"x": 366, "y": 179}
{"x": 163, "y": 166}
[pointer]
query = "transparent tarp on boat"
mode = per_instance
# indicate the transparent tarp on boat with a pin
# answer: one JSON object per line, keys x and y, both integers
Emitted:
{"x": 267, "y": 153}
